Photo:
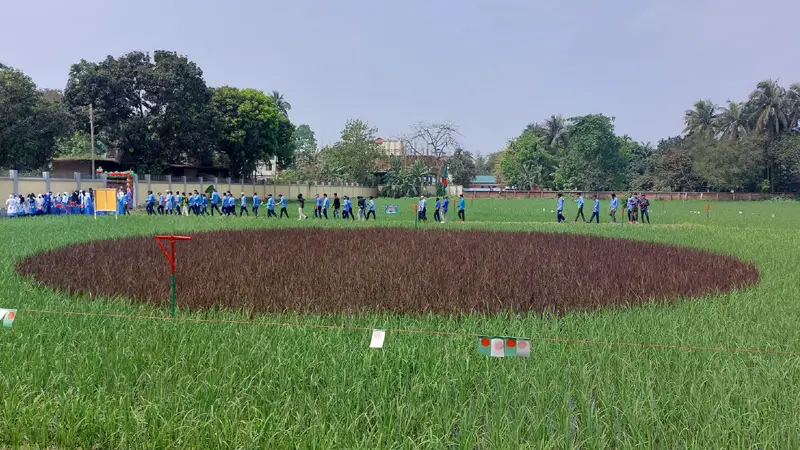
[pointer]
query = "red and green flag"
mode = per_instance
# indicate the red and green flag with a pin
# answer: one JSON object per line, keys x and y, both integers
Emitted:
{"x": 504, "y": 346}
{"x": 444, "y": 181}
{"x": 7, "y": 316}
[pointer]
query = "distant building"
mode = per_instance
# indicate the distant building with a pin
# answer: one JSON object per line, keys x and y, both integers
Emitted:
{"x": 484, "y": 183}
{"x": 391, "y": 147}
{"x": 267, "y": 169}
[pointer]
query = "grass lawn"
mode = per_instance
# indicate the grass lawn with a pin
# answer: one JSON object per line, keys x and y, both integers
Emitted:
{"x": 81, "y": 381}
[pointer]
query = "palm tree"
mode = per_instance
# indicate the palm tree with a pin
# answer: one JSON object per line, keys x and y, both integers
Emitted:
{"x": 771, "y": 107}
{"x": 554, "y": 131}
{"x": 282, "y": 104}
{"x": 731, "y": 122}
{"x": 793, "y": 94}
{"x": 700, "y": 119}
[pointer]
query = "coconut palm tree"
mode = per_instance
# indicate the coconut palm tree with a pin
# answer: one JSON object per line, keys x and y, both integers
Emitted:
{"x": 281, "y": 103}
{"x": 793, "y": 94}
{"x": 700, "y": 119}
{"x": 772, "y": 108}
{"x": 731, "y": 122}
{"x": 553, "y": 131}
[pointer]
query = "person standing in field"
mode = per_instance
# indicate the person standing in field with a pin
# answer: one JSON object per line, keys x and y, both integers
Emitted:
{"x": 629, "y": 207}
{"x": 256, "y": 203}
{"x": 635, "y": 207}
{"x": 462, "y": 205}
{"x": 421, "y": 209}
{"x": 215, "y": 203}
{"x": 371, "y": 209}
{"x": 325, "y": 203}
{"x": 436, "y": 206}
{"x": 595, "y": 209}
{"x": 185, "y": 205}
{"x": 336, "y": 205}
{"x": 644, "y": 205}
{"x": 271, "y": 207}
{"x": 348, "y": 209}
{"x": 362, "y": 206}
{"x": 560, "y": 208}
{"x": 612, "y": 209}
{"x": 151, "y": 201}
{"x": 204, "y": 199}
{"x": 318, "y": 207}
{"x": 579, "y": 201}
{"x": 301, "y": 203}
{"x": 445, "y": 207}
{"x": 178, "y": 203}
{"x": 282, "y": 201}
{"x": 243, "y": 205}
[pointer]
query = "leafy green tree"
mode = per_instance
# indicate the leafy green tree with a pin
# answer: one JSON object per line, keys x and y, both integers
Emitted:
{"x": 526, "y": 162}
{"x": 354, "y": 156}
{"x": 30, "y": 123}
{"x": 461, "y": 167}
{"x": 722, "y": 165}
{"x": 732, "y": 122}
{"x": 250, "y": 129}
{"x": 487, "y": 165}
{"x": 593, "y": 159}
{"x": 79, "y": 144}
{"x": 553, "y": 131}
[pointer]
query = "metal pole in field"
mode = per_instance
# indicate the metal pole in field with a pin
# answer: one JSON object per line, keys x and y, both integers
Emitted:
{"x": 91, "y": 130}
{"x": 171, "y": 258}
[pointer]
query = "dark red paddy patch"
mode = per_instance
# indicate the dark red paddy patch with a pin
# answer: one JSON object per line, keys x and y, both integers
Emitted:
{"x": 387, "y": 269}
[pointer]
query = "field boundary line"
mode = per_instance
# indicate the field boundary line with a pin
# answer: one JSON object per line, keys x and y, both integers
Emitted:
{"x": 752, "y": 350}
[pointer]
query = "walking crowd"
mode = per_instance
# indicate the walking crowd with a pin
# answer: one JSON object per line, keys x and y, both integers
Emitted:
{"x": 440, "y": 209}
{"x": 634, "y": 206}
{"x": 49, "y": 203}
{"x": 226, "y": 204}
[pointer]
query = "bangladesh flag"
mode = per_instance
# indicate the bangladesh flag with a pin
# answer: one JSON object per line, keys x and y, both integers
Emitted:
{"x": 504, "y": 346}
{"x": 444, "y": 181}
{"x": 7, "y": 316}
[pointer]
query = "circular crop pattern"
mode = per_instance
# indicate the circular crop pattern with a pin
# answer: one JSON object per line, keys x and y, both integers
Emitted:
{"x": 394, "y": 270}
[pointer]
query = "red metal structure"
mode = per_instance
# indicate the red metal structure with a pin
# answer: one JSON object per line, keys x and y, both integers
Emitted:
{"x": 171, "y": 258}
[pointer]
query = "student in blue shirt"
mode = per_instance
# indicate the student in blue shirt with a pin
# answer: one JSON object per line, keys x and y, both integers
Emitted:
{"x": 644, "y": 205}
{"x": 282, "y": 201}
{"x": 151, "y": 201}
{"x": 579, "y": 201}
{"x": 170, "y": 206}
{"x": 348, "y": 209}
{"x": 205, "y": 205}
{"x": 271, "y": 207}
{"x": 436, "y": 208}
{"x": 445, "y": 207}
{"x": 162, "y": 200}
{"x": 178, "y": 203}
{"x": 421, "y": 206}
{"x": 371, "y": 209}
{"x": 256, "y": 203}
{"x": 629, "y": 208}
{"x": 560, "y": 208}
{"x": 612, "y": 209}
{"x": 215, "y": 202}
{"x": 318, "y": 208}
{"x": 243, "y": 206}
{"x": 325, "y": 203}
{"x": 462, "y": 205}
{"x": 595, "y": 209}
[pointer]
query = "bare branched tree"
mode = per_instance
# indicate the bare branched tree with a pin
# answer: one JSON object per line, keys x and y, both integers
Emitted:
{"x": 431, "y": 139}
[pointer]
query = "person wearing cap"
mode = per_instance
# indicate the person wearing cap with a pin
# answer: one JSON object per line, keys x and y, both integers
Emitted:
{"x": 462, "y": 205}
{"x": 421, "y": 209}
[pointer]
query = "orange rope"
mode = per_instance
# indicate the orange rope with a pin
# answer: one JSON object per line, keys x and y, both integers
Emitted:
{"x": 765, "y": 351}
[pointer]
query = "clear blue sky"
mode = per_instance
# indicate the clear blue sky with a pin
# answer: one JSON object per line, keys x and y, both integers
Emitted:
{"x": 490, "y": 66}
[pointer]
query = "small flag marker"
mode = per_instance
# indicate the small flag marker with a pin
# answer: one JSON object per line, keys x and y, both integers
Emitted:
{"x": 7, "y": 316}
{"x": 377, "y": 338}
{"x": 504, "y": 346}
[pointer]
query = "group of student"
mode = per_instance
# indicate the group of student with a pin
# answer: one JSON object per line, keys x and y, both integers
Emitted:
{"x": 180, "y": 203}
{"x": 439, "y": 209}
{"x": 49, "y": 203}
{"x": 633, "y": 205}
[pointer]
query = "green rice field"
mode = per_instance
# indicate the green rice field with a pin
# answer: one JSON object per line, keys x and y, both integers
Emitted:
{"x": 219, "y": 379}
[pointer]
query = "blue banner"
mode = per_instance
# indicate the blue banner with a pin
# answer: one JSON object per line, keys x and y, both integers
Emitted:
{"x": 391, "y": 209}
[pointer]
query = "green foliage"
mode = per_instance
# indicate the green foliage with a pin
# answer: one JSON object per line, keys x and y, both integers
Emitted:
{"x": 461, "y": 167}
{"x": 526, "y": 162}
{"x": 78, "y": 145}
{"x": 354, "y": 156}
{"x": 594, "y": 159}
{"x": 30, "y": 122}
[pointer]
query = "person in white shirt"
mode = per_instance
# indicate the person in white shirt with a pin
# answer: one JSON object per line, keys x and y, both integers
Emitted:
{"x": 11, "y": 206}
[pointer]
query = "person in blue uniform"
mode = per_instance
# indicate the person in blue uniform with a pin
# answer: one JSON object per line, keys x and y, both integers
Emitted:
{"x": 282, "y": 201}
{"x": 595, "y": 210}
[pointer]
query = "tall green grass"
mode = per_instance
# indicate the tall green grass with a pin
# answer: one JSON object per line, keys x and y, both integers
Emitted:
{"x": 70, "y": 381}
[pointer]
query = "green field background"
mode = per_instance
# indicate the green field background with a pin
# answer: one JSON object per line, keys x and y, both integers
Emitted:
{"x": 72, "y": 381}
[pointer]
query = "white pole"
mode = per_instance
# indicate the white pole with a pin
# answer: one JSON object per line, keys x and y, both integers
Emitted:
{"x": 91, "y": 131}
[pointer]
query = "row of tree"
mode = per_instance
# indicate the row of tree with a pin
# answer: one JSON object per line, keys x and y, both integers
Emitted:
{"x": 752, "y": 145}
{"x": 153, "y": 111}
